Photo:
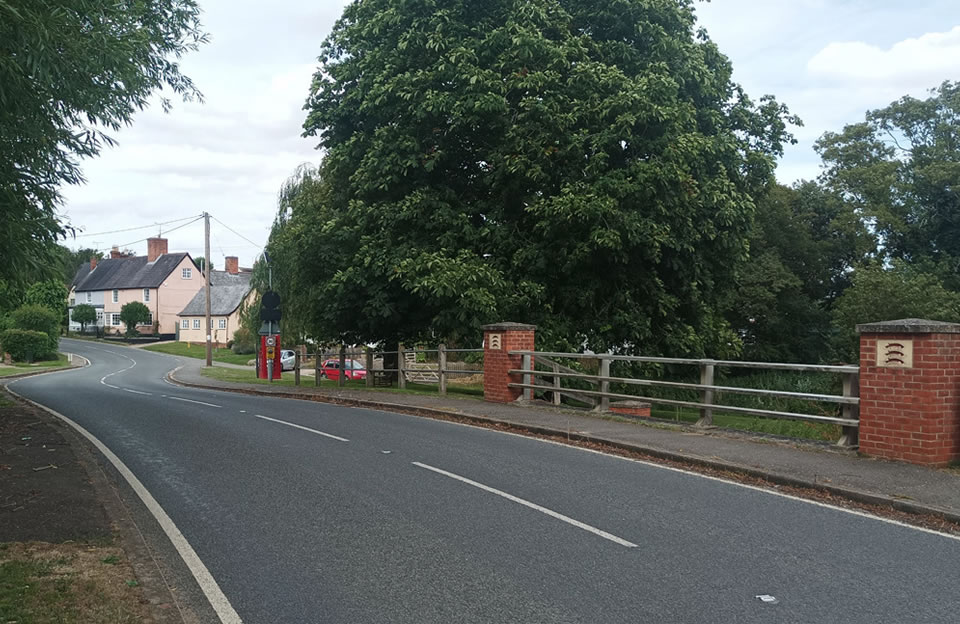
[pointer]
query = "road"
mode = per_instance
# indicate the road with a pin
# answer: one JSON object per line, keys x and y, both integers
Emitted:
{"x": 307, "y": 512}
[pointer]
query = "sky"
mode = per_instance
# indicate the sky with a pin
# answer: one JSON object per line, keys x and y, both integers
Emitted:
{"x": 828, "y": 60}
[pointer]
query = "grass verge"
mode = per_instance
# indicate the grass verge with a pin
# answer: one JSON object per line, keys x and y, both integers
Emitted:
{"x": 185, "y": 349}
{"x": 234, "y": 375}
{"x": 22, "y": 367}
{"x": 85, "y": 583}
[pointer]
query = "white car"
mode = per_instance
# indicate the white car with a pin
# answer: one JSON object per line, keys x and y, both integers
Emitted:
{"x": 288, "y": 359}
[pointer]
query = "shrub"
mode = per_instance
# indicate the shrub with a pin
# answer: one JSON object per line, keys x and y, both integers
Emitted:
{"x": 38, "y": 318}
{"x": 25, "y": 345}
{"x": 244, "y": 341}
{"x": 133, "y": 314}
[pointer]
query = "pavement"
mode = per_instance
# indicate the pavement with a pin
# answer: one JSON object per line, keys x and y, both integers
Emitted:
{"x": 305, "y": 511}
{"x": 906, "y": 487}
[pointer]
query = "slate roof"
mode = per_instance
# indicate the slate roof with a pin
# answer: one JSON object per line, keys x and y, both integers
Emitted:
{"x": 123, "y": 273}
{"x": 227, "y": 292}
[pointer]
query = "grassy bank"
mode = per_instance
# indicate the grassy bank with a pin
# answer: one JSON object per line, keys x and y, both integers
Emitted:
{"x": 249, "y": 376}
{"x": 23, "y": 367}
{"x": 198, "y": 351}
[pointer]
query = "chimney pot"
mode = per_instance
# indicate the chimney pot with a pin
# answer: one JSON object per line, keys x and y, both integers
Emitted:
{"x": 156, "y": 247}
{"x": 93, "y": 262}
{"x": 232, "y": 265}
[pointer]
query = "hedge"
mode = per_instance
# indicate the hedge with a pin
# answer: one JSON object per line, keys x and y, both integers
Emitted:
{"x": 25, "y": 345}
{"x": 40, "y": 319}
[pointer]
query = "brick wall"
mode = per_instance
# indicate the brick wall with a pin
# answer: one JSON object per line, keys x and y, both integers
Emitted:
{"x": 496, "y": 362}
{"x": 911, "y": 414}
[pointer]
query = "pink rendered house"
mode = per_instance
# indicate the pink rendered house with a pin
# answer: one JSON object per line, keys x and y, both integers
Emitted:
{"x": 162, "y": 281}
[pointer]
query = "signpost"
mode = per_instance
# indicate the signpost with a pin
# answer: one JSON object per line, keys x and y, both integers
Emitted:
{"x": 270, "y": 316}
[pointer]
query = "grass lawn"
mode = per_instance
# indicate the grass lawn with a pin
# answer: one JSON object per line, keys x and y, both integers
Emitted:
{"x": 244, "y": 376}
{"x": 198, "y": 351}
{"x": 22, "y": 367}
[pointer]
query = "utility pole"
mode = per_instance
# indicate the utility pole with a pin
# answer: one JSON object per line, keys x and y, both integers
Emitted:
{"x": 206, "y": 284}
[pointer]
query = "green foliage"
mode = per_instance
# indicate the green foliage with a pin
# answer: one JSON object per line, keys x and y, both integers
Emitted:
{"x": 884, "y": 295}
{"x": 201, "y": 263}
{"x": 805, "y": 241}
{"x": 51, "y": 294}
{"x": 68, "y": 72}
{"x": 901, "y": 169}
{"x": 38, "y": 318}
{"x": 84, "y": 314}
{"x": 132, "y": 314}
{"x": 71, "y": 261}
{"x": 589, "y": 167}
{"x": 244, "y": 342}
{"x": 26, "y": 345}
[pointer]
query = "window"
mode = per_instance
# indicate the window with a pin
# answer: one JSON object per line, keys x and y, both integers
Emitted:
{"x": 186, "y": 273}
{"x": 115, "y": 319}
{"x": 73, "y": 301}
{"x": 185, "y": 324}
{"x": 146, "y": 295}
{"x": 89, "y": 297}
{"x": 116, "y": 295}
{"x": 222, "y": 324}
{"x": 211, "y": 323}
{"x": 100, "y": 318}
{"x": 196, "y": 323}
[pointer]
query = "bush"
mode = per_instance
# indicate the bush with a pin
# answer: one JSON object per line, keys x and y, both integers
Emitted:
{"x": 244, "y": 342}
{"x": 25, "y": 345}
{"x": 40, "y": 319}
{"x": 132, "y": 314}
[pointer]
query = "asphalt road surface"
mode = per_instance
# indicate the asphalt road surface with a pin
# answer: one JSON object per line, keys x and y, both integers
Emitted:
{"x": 306, "y": 512}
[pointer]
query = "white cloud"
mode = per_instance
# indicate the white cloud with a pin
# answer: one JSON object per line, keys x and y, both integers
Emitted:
{"x": 922, "y": 62}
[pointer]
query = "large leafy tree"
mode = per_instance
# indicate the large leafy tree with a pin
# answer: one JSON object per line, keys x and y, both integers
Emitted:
{"x": 69, "y": 71}
{"x": 901, "y": 168}
{"x": 805, "y": 242}
{"x": 587, "y": 166}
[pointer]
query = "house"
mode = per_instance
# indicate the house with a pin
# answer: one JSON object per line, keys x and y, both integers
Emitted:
{"x": 229, "y": 289}
{"x": 162, "y": 281}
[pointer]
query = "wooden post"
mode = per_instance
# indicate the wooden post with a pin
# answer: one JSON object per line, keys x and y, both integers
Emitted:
{"x": 401, "y": 375}
{"x": 851, "y": 388}
{"x": 706, "y": 396}
{"x": 442, "y": 368}
{"x": 296, "y": 367}
{"x": 369, "y": 367}
{"x": 343, "y": 366}
{"x": 556, "y": 384}
{"x": 604, "y": 404}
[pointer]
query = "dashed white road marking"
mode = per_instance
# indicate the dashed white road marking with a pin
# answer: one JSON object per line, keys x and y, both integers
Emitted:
{"x": 192, "y": 401}
{"x": 534, "y": 506}
{"x": 136, "y": 391}
{"x": 283, "y": 422}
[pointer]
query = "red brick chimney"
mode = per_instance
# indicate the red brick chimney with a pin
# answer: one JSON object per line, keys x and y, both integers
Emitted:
{"x": 115, "y": 253}
{"x": 93, "y": 262}
{"x": 156, "y": 247}
{"x": 232, "y": 265}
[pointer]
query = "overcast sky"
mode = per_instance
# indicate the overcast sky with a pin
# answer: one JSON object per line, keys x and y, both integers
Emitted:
{"x": 828, "y": 60}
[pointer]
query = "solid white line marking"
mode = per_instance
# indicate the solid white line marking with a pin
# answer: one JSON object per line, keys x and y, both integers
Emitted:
{"x": 534, "y": 506}
{"x": 192, "y": 401}
{"x": 283, "y": 422}
{"x": 216, "y": 597}
{"x": 135, "y": 391}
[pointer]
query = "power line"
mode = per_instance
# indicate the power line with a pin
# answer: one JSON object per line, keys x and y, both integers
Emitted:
{"x": 235, "y": 232}
{"x": 168, "y": 231}
{"x": 139, "y": 227}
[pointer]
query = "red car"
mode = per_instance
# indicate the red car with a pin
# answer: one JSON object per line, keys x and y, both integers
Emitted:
{"x": 354, "y": 369}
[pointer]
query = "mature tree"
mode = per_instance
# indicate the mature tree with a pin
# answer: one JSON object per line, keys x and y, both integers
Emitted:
{"x": 803, "y": 246}
{"x": 51, "y": 294}
{"x": 69, "y": 71}
{"x": 84, "y": 314}
{"x": 586, "y": 166}
{"x": 71, "y": 261}
{"x": 901, "y": 168}
{"x": 886, "y": 294}
{"x": 201, "y": 263}
{"x": 132, "y": 314}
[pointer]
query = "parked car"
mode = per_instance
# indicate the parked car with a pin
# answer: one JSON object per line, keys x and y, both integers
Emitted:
{"x": 354, "y": 369}
{"x": 288, "y": 359}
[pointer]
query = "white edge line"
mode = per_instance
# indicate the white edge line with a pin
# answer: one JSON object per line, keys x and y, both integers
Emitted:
{"x": 534, "y": 506}
{"x": 289, "y": 424}
{"x": 192, "y": 401}
{"x": 135, "y": 391}
{"x": 205, "y": 580}
{"x": 854, "y": 512}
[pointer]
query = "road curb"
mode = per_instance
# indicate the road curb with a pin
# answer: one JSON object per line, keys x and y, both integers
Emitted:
{"x": 59, "y": 369}
{"x": 693, "y": 461}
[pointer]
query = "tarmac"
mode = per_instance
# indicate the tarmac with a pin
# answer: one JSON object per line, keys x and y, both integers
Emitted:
{"x": 783, "y": 461}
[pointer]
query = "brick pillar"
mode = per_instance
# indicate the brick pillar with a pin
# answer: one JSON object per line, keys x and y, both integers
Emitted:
{"x": 910, "y": 391}
{"x": 498, "y": 340}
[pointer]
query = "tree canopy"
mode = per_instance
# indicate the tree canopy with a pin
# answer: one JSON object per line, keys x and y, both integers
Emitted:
{"x": 132, "y": 314}
{"x": 69, "y": 72}
{"x": 586, "y": 166}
